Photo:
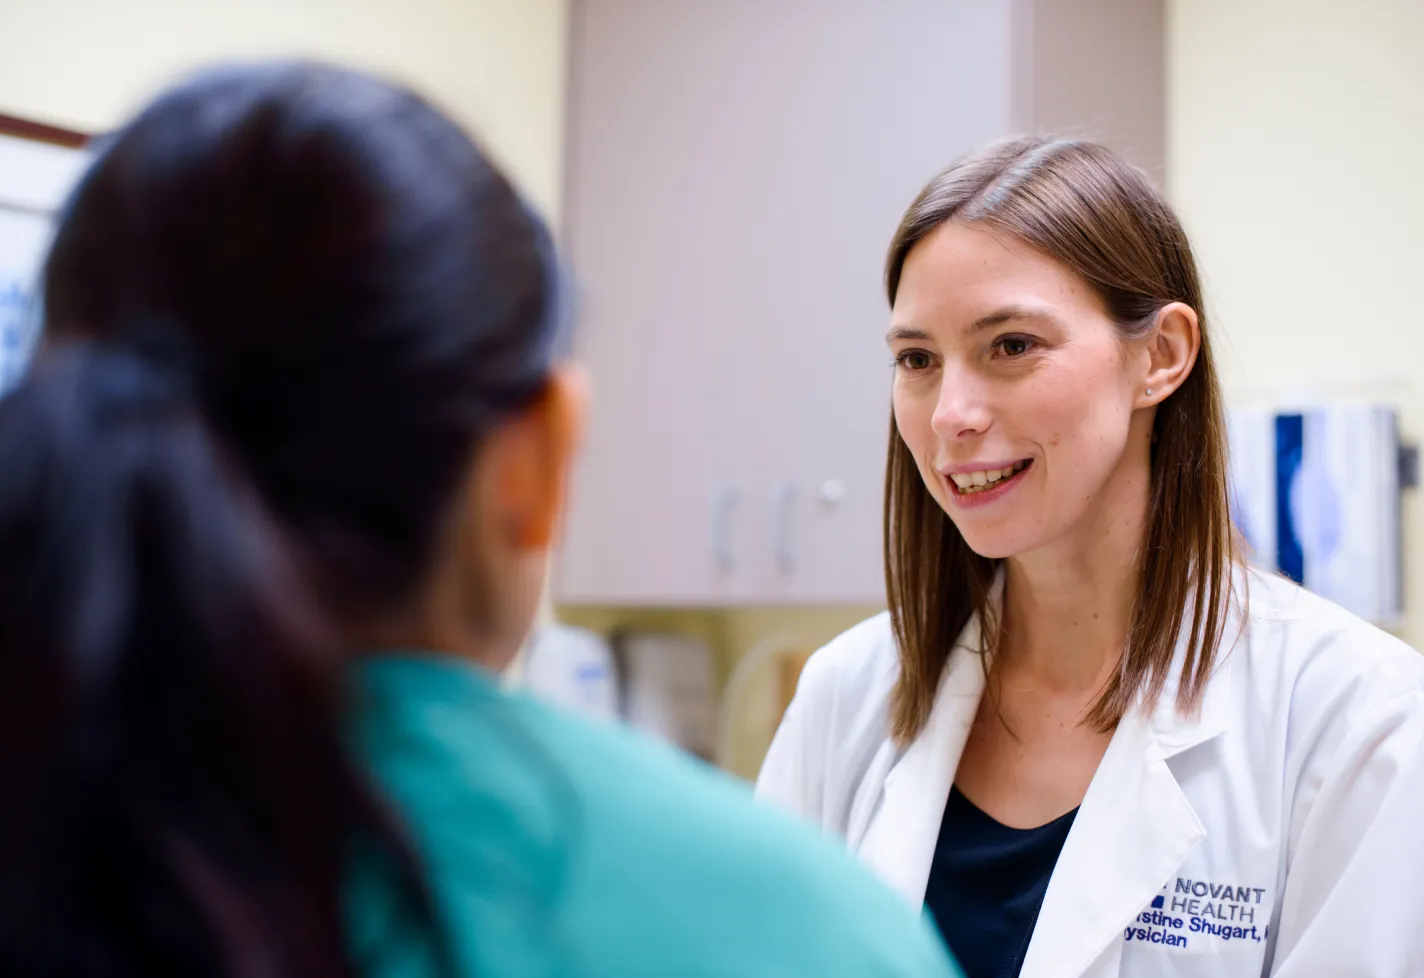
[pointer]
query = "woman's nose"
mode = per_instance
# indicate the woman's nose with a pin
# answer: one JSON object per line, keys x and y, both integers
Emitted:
{"x": 961, "y": 411}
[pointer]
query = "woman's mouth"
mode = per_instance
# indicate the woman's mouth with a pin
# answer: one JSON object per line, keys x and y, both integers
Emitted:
{"x": 984, "y": 480}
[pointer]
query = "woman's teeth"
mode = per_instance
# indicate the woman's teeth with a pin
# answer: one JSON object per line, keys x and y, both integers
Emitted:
{"x": 970, "y": 482}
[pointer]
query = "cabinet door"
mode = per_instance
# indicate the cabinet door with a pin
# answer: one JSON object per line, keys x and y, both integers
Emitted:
{"x": 735, "y": 171}
{"x": 889, "y": 94}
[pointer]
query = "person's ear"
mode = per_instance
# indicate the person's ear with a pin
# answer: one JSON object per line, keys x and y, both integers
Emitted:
{"x": 1171, "y": 352}
{"x": 503, "y": 524}
{"x": 530, "y": 457}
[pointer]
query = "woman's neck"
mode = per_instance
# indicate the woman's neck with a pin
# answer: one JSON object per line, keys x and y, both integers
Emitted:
{"x": 1068, "y": 607}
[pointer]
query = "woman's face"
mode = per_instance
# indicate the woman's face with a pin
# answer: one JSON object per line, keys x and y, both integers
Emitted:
{"x": 1018, "y": 396}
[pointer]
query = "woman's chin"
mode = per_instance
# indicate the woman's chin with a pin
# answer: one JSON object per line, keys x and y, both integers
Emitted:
{"x": 992, "y": 552}
{"x": 996, "y": 544}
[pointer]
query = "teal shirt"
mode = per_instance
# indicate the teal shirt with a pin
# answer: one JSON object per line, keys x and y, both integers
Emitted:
{"x": 558, "y": 847}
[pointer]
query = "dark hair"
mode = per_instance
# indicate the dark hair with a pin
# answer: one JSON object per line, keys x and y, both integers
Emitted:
{"x": 1101, "y": 218}
{"x": 282, "y": 309}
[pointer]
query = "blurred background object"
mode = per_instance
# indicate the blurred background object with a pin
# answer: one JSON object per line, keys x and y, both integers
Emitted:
{"x": 570, "y": 667}
{"x": 760, "y": 688}
{"x": 727, "y": 175}
{"x": 38, "y": 165}
{"x": 669, "y": 686}
{"x": 1317, "y": 497}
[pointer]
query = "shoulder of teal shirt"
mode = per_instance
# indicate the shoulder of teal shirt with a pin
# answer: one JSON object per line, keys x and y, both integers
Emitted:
{"x": 557, "y": 846}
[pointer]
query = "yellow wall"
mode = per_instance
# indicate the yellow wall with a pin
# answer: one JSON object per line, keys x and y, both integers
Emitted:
{"x": 1295, "y": 129}
{"x": 496, "y": 65}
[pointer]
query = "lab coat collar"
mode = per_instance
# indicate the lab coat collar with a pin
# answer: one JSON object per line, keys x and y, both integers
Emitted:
{"x": 1132, "y": 832}
{"x": 899, "y": 842}
{"x": 1175, "y": 732}
{"x": 1134, "y": 829}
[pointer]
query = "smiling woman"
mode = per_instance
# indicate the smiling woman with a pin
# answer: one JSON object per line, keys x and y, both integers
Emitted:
{"x": 1053, "y": 367}
{"x": 1072, "y": 717}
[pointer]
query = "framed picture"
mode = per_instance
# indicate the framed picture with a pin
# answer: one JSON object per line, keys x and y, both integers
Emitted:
{"x": 39, "y": 165}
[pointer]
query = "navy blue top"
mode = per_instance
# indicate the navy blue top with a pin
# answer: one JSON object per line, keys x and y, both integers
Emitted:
{"x": 987, "y": 883}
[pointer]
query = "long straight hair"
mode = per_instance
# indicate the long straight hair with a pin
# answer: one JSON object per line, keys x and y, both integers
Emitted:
{"x": 282, "y": 310}
{"x": 1101, "y": 218}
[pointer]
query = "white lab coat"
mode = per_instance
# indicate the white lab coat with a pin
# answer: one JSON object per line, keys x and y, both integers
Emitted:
{"x": 1290, "y": 811}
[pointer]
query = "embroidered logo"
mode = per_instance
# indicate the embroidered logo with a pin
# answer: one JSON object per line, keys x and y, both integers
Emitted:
{"x": 1194, "y": 912}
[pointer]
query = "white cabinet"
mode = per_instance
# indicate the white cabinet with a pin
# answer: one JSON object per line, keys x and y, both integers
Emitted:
{"x": 735, "y": 170}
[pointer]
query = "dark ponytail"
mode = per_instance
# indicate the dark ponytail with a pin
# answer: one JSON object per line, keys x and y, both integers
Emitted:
{"x": 282, "y": 310}
{"x": 167, "y": 734}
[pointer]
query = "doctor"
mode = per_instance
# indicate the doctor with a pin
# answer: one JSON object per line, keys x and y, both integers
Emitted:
{"x": 1085, "y": 735}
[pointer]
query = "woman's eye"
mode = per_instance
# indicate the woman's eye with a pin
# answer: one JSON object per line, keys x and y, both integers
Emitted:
{"x": 913, "y": 360}
{"x": 1014, "y": 346}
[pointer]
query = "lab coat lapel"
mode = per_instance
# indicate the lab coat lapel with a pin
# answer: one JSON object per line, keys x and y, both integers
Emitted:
{"x": 1133, "y": 831}
{"x": 900, "y": 839}
{"x": 1134, "y": 828}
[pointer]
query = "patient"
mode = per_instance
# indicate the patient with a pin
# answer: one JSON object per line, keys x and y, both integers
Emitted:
{"x": 278, "y": 495}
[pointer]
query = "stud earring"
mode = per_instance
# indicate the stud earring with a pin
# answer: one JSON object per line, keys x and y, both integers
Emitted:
{"x": 1149, "y": 392}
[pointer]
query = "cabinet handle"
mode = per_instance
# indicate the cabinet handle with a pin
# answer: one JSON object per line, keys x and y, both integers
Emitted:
{"x": 832, "y": 492}
{"x": 724, "y": 501}
{"x": 783, "y": 498}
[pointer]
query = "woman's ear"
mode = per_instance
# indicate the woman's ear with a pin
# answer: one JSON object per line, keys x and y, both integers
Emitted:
{"x": 1171, "y": 350}
{"x": 526, "y": 463}
{"x": 488, "y": 578}
{"x": 556, "y": 424}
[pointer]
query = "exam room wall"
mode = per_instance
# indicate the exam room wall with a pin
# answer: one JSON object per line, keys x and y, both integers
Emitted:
{"x": 496, "y": 65}
{"x": 1294, "y": 133}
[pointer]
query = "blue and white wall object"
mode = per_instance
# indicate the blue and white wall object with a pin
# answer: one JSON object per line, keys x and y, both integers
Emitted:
{"x": 1316, "y": 494}
{"x": 17, "y": 325}
{"x": 35, "y": 179}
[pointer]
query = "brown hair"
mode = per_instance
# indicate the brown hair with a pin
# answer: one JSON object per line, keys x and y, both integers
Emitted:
{"x": 1101, "y": 218}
